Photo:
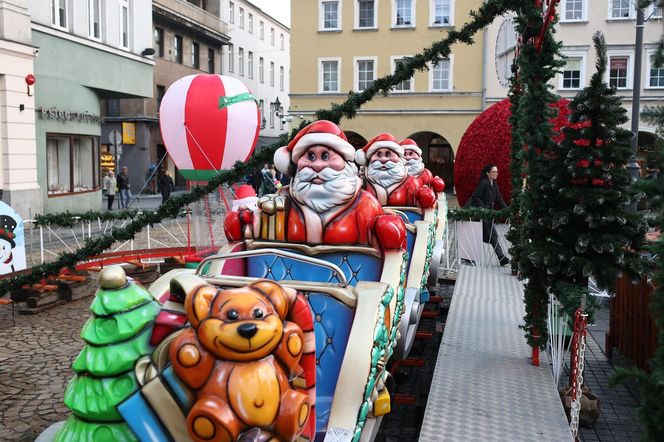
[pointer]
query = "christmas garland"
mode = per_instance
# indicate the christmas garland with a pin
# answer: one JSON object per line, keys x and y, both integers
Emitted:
{"x": 478, "y": 214}
{"x": 69, "y": 219}
{"x": 171, "y": 208}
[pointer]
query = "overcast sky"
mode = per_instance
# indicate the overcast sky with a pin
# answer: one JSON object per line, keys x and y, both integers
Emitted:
{"x": 279, "y": 9}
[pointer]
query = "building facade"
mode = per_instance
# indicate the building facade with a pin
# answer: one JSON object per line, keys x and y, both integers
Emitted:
{"x": 259, "y": 56}
{"x": 343, "y": 45}
{"x": 89, "y": 51}
{"x": 187, "y": 38}
{"x": 18, "y": 146}
{"x": 579, "y": 20}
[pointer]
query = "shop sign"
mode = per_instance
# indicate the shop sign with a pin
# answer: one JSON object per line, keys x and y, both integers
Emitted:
{"x": 128, "y": 133}
{"x": 54, "y": 113}
{"x": 107, "y": 161}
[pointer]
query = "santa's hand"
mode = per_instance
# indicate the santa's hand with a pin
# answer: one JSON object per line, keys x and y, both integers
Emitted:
{"x": 426, "y": 198}
{"x": 437, "y": 184}
{"x": 390, "y": 231}
{"x": 235, "y": 221}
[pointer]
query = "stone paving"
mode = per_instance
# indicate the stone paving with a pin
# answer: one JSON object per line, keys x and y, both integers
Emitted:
{"x": 35, "y": 367}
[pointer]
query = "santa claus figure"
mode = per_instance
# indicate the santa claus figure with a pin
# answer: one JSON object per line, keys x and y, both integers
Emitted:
{"x": 415, "y": 166}
{"x": 245, "y": 196}
{"x": 325, "y": 203}
{"x": 387, "y": 175}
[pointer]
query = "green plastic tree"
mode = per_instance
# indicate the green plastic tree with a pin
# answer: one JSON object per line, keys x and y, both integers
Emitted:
{"x": 116, "y": 336}
{"x": 590, "y": 232}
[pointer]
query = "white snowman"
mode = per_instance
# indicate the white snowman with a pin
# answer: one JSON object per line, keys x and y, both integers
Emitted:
{"x": 7, "y": 244}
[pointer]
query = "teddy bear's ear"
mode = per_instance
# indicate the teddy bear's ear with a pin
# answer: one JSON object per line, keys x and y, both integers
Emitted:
{"x": 197, "y": 296}
{"x": 281, "y": 297}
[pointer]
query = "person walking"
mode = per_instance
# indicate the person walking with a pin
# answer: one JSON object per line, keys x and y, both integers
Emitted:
{"x": 165, "y": 185}
{"x": 109, "y": 186}
{"x": 124, "y": 188}
{"x": 267, "y": 185}
{"x": 487, "y": 195}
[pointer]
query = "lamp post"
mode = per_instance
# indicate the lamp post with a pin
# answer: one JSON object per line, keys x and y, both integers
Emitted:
{"x": 276, "y": 107}
{"x": 633, "y": 167}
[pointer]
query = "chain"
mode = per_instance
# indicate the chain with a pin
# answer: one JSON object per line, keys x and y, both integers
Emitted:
{"x": 580, "y": 324}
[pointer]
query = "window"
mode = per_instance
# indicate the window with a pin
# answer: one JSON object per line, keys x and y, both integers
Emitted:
{"x": 72, "y": 163}
{"x": 94, "y": 24}
{"x": 261, "y": 107}
{"x": 261, "y": 30}
{"x": 366, "y": 14}
{"x": 59, "y": 13}
{"x": 261, "y": 70}
{"x": 124, "y": 24}
{"x": 221, "y": 61}
{"x": 505, "y": 51}
{"x": 281, "y": 78}
{"x": 655, "y": 11}
{"x": 365, "y": 73}
{"x": 159, "y": 41}
{"x": 441, "y": 12}
{"x": 271, "y": 119}
{"x": 329, "y": 75}
{"x": 618, "y": 68}
{"x": 113, "y": 107}
{"x": 251, "y": 23}
{"x": 573, "y": 10}
{"x": 281, "y": 41}
{"x": 441, "y": 76}
{"x": 177, "y": 49}
{"x": 195, "y": 55}
{"x": 330, "y": 15}
{"x": 231, "y": 12}
{"x": 406, "y": 85}
{"x": 620, "y": 8}
{"x": 281, "y": 120}
{"x": 250, "y": 64}
{"x": 231, "y": 59}
{"x": 404, "y": 12}
{"x": 161, "y": 91}
{"x": 241, "y": 18}
{"x": 210, "y": 61}
{"x": 655, "y": 74}
{"x": 572, "y": 74}
{"x": 271, "y": 74}
{"x": 272, "y": 36}
{"x": 240, "y": 61}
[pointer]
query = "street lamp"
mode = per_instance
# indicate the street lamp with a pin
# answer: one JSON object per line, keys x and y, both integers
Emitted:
{"x": 276, "y": 107}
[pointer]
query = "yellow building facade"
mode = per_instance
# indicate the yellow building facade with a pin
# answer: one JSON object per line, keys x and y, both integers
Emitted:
{"x": 341, "y": 45}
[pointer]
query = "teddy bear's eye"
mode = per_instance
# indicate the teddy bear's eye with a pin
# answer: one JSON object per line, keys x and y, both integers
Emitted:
{"x": 232, "y": 315}
{"x": 258, "y": 313}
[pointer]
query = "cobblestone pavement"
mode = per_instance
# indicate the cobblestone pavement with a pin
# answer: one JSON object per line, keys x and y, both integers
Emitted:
{"x": 35, "y": 367}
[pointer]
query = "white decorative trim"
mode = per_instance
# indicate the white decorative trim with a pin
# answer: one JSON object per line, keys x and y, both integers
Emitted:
{"x": 649, "y": 54}
{"x": 393, "y": 67}
{"x": 413, "y": 15}
{"x": 320, "y": 74}
{"x": 563, "y": 12}
{"x": 432, "y": 15}
{"x": 630, "y": 66}
{"x": 356, "y": 71}
{"x": 582, "y": 76}
{"x": 450, "y": 83}
{"x": 321, "y": 15}
{"x": 344, "y": 148}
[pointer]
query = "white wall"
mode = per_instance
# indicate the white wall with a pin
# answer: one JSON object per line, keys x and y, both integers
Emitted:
{"x": 242, "y": 38}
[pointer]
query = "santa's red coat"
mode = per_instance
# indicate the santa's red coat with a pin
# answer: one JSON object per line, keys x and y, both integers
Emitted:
{"x": 350, "y": 225}
{"x": 404, "y": 194}
{"x": 425, "y": 177}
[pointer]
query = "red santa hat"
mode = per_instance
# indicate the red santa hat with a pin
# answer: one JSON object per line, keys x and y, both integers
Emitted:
{"x": 245, "y": 195}
{"x": 321, "y": 132}
{"x": 379, "y": 141}
{"x": 409, "y": 144}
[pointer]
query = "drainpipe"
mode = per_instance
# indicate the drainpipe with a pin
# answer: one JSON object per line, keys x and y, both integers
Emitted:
{"x": 633, "y": 167}
{"x": 485, "y": 41}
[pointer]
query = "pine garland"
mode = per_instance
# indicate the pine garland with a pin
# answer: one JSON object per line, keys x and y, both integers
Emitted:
{"x": 69, "y": 219}
{"x": 478, "y": 214}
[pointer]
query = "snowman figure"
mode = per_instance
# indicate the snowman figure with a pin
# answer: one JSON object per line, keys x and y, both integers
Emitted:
{"x": 7, "y": 236}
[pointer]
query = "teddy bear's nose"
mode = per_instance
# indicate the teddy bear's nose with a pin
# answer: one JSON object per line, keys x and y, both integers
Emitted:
{"x": 247, "y": 330}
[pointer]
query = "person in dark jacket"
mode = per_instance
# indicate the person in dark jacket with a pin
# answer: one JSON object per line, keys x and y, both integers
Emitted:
{"x": 487, "y": 195}
{"x": 166, "y": 186}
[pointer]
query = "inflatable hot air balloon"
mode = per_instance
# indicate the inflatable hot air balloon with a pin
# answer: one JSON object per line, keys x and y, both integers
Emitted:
{"x": 208, "y": 122}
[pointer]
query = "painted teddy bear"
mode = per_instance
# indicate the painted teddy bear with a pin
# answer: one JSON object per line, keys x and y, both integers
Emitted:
{"x": 239, "y": 355}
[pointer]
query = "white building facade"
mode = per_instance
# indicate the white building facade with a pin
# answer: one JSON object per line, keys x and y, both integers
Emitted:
{"x": 259, "y": 56}
{"x": 18, "y": 148}
{"x": 579, "y": 20}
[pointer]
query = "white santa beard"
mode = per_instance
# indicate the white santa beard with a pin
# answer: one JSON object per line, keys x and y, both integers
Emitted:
{"x": 338, "y": 187}
{"x": 415, "y": 166}
{"x": 395, "y": 173}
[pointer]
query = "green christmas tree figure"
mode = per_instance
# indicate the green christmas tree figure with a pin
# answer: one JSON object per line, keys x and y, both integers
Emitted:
{"x": 591, "y": 234}
{"x": 116, "y": 336}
